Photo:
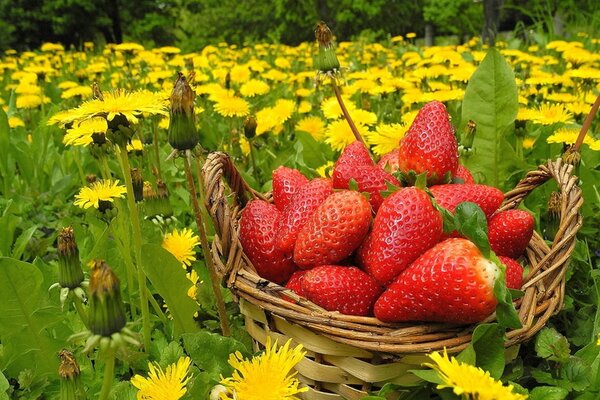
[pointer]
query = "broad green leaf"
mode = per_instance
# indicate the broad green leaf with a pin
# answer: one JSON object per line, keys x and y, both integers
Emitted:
{"x": 23, "y": 324}
{"x": 3, "y": 387}
{"x": 210, "y": 352}
{"x": 314, "y": 153}
{"x": 506, "y": 314}
{"x": 576, "y": 372}
{"x": 170, "y": 354}
{"x": 22, "y": 241}
{"x": 470, "y": 220}
{"x": 200, "y": 385}
{"x": 168, "y": 277}
{"x": 427, "y": 375}
{"x": 550, "y": 344}
{"x": 488, "y": 343}
{"x": 548, "y": 393}
{"x": 491, "y": 101}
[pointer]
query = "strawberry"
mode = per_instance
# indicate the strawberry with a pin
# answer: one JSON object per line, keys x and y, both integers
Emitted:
{"x": 299, "y": 209}
{"x": 514, "y": 273}
{"x": 372, "y": 180}
{"x": 464, "y": 174}
{"x": 334, "y": 230}
{"x": 354, "y": 155}
{"x": 345, "y": 289}
{"x": 390, "y": 161}
{"x": 257, "y": 235}
{"x": 451, "y": 282}
{"x": 487, "y": 197}
{"x": 286, "y": 182}
{"x": 295, "y": 284}
{"x": 429, "y": 144}
{"x": 510, "y": 232}
{"x": 406, "y": 225}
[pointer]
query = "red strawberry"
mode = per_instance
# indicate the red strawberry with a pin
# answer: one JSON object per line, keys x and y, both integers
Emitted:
{"x": 257, "y": 235}
{"x": 463, "y": 173}
{"x": 390, "y": 161}
{"x": 430, "y": 145}
{"x": 510, "y": 232}
{"x": 406, "y": 225}
{"x": 354, "y": 155}
{"x": 451, "y": 282}
{"x": 295, "y": 284}
{"x": 514, "y": 273}
{"x": 334, "y": 230}
{"x": 345, "y": 289}
{"x": 299, "y": 209}
{"x": 286, "y": 182}
{"x": 487, "y": 197}
{"x": 372, "y": 179}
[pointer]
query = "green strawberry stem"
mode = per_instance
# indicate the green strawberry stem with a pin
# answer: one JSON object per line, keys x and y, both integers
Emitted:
{"x": 214, "y": 278}
{"x": 586, "y": 124}
{"x": 347, "y": 116}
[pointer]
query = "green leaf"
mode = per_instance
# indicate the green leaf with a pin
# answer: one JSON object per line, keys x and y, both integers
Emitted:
{"x": 24, "y": 324}
{"x": 4, "y": 385}
{"x": 506, "y": 314}
{"x": 548, "y": 393}
{"x": 22, "y": 241}
{"x": 314, "y": 153}
{"x": 550, "y": 344}
{"x": 491, "y": 101}
{"x": 352, "y": 184}
{"x": 576, "y": 372}
{"x": 210, "y": 352}
{"x": 488, "y": 343}
{"x": 4, "y": 144}
{"x": 470, "y": 221}
{"x": 427, "y": 375}
{"x": 170, "y": 354}
{"x": 168, "y": 277}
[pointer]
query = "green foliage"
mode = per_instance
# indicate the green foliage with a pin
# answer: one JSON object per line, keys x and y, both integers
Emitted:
{"x": 454, "y": 17}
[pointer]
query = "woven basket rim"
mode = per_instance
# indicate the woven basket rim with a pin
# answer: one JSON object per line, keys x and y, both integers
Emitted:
{"x": 543, "y": 287}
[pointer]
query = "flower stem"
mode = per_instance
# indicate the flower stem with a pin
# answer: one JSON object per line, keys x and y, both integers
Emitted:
{"x": 586, "y": 124}
{"x": 129, "y": 266}
{"x": 109, "y": 374}
{"x": 347, "y": 116}
{"x": 80, "y": 310}
{"x": 156, "y": 149}
{"x": 137, "y": 244}
{"x": 214, "y": 278}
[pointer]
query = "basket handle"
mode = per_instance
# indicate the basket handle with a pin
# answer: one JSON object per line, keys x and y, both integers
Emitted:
{"x": 218, "y": 170}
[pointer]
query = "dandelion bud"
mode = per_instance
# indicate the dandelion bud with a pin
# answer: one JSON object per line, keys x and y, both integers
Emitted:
{"x": 91, "y": 178}
{"x": 70, "y": 274}
{"x": 70, "y": 385}
{"x": 182, "y": 125}
{"x": 250, "y": 127}
{"x": 571, "y": 156}
{"x": 469, "y": 134}
{"x": 163, "y": 199}
{"x": 107, "y": 314}
{"x": 96, "y": 92}
{"x": 228, "y": 80}
{"x": 326, "y": 60}
{"x": 138, "y": 184}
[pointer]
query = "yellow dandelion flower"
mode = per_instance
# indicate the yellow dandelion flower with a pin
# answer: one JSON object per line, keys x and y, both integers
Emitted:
{"x": 338, "y": 134}
{"x": 528, "y": 143}
{"x": 411, "y": 35}
{"x": 84, "y": 92}
{"x": 128, "y": 47}
{"x": 135, "y": 145}
{"x": 181, "y": 244}
{"x": 99, "y": 192}
{"x": 313, "y": 125}
{"x": 254, "y": 87}
{"x": 232, "y": 106}
{"x": 595, "y": 145}
{"x": 303, "y": 92}
{"x": 548, "y": 114}
{"x": 526, "y": 114}
{"x": 265, "y": 377}
{"x": 163, "y": 385}
{"x": 363, "y": 117}
{"x": 331, "y": 108}
{"x": 469, "y": 381}
{"x": 386, "y": 137}
{"x": 245, "y": 146}
{"x": 304, "y": 107}
{"x": 326, "y": 169}
{"x": 409, "y": 117}
{"x": 83, "y": 133}
{"x": 194, "y": 278}
{"x": 15, "y": 122}
{"x": 568, "y": 136}
{"x": 578, "y": 108}
{"x": 31, "y": 101}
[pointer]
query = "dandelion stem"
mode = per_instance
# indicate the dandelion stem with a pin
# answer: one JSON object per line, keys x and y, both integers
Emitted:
{"x": 156, "y": 149}
{"x": 586, "y": 124}
{"x": 129, "y": 266}
{"x": 137, "y": 244}
{"x": 347, "y": 116}
{"x": 109, "y": 374}
{"x": 80, "y": 310}
{"x": 214, "y": 278}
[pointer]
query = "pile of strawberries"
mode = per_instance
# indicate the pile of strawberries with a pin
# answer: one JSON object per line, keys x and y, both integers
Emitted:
{"x": 343, "y": 245}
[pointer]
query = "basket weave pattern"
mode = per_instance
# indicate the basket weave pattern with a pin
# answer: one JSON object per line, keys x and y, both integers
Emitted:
{"x": 348, "y": 355}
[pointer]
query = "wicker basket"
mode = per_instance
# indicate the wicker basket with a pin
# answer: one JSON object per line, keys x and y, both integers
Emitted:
{"x": 350, "y": 355}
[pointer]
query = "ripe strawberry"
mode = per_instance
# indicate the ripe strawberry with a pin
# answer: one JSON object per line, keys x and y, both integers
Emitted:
{"x": 286, "y": 182}
{"x": 487, "y": 197}
{"x": 353, "y": 156}
{"x": 257, "y": 235}
{"x": 295, "y": 284}
{"x": 510, "y": 231}
{"x": 514, "y": 273}
{"x": 463, "y": 173}
{"x": 345, "y": 289}
{"x": 390, "y": 161}
{"x": 430, "y": 145}
{"x": 372, "y": 179}
{"x": 299, "y": 209}
{"x": 406, "y": 225}
{"x": 451, "y": 282}
{"x": 334, "y": 230}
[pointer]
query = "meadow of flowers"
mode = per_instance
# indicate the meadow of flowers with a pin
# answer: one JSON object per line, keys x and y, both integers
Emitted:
{"x": 105, "y": 289}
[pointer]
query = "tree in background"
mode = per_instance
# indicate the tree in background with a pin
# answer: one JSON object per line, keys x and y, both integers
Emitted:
{"x": 462, "y": 18}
